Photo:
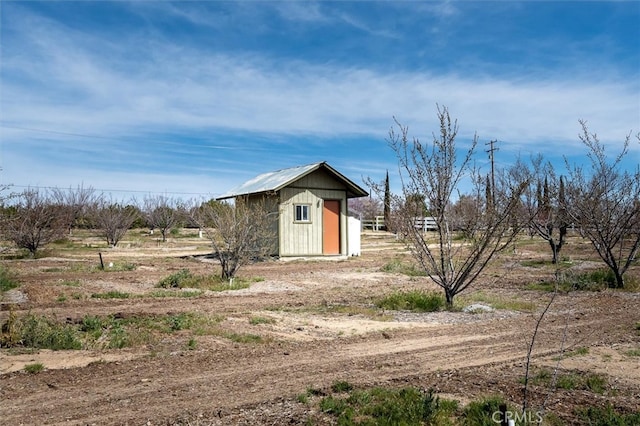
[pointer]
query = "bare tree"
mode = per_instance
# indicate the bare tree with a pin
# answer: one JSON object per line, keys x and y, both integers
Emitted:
{"x": 163, "y": 213}
{"x": 365, "y": 207}
{"x": 239, "y": 233}
{"x": 464, "y": 213}
{"x": 434, "y": 172}
{"x": 545, "y": 207}
{"x": 113, "y": 219}
{"x": 33, "y": 221}
{"x": 604, "y": 201}
{"x": 75, "y": 204}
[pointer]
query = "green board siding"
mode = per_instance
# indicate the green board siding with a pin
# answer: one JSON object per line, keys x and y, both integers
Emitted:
{"x": 305, "y": 238}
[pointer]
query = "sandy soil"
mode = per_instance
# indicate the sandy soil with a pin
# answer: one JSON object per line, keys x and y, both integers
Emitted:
{"x": 321, "y": 330}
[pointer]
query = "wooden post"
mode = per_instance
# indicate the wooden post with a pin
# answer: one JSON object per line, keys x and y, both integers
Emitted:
{"x": 504, "y": 421}
{"x": 101, "y": 262}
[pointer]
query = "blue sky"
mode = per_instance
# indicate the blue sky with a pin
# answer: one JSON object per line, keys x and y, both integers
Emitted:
{"x": 193, "y": 98}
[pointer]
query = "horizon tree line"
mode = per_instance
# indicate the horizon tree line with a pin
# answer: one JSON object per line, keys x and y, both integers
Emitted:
{"x": 599, "y": 199}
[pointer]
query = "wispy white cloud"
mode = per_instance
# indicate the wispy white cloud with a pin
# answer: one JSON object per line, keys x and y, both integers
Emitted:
{"x": 123, "y": 97}
{"x": 181, "y": 89}
{"x": 307, "y": 11}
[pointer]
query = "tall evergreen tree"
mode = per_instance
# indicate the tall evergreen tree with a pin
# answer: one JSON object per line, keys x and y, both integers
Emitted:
{"x": 387, "y": 204}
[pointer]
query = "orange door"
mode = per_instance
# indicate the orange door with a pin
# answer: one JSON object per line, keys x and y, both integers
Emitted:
{"x": 331, "y": 227}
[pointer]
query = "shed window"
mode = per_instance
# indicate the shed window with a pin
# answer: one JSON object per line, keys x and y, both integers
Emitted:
{"x": 302, "y": 212}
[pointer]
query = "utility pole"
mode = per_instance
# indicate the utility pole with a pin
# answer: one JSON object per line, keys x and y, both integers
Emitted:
{"x": 491, "y": 158}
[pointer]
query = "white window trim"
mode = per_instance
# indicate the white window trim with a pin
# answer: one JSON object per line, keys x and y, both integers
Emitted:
{"x": 303, "y": 207}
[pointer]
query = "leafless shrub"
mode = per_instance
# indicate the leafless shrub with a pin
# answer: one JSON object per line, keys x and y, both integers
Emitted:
{"x": 433, "y": 172}
{"x": 34, "y": 221}
{"x": 366, "y": 208}
{"x": 113, "y": 219}
{"x": 604, "y": 200}
{"x": 162, "y": 213}
{"x": 75, "y": 204}
{"x": 544, "y": 204}
{"x": 239, "y": 232}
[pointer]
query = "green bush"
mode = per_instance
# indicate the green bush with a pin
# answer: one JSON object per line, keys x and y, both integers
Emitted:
{"x": 185, "y": 279}
{"x": 604, "y": 277}
{"x": 41, "y": 333}
{"x": 93, "y": 332}
{"x": 568, "y": 381}
{"x": 341, "y": 386}
{"x": 178, "y": 322}
{"x": 596, "y": 383}
{"x": 597, "y": 280}
{"x": 380, "y": 406}
{"x": 480, "y": 413}
{"x": 415, "y": 300}
{"x": 93, "y": 326}
{"x": 34, "y": 368}
{"x": 7, "y": 280}
{"x": 596, "y": 416}
{"x": 176, "y": 280}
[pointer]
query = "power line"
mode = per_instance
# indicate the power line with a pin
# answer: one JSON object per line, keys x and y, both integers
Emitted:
{"x": 154, "y": 141}
{"x": 55, "y": 132}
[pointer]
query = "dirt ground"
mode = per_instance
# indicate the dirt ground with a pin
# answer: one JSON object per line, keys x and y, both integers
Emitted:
{"x": 320, "y": 330}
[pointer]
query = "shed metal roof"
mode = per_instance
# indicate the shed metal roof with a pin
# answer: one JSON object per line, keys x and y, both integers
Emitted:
{"x": 275, "y": 181}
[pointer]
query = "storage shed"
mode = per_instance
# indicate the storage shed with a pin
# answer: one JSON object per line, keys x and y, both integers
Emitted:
{"x": 311, "y": 206}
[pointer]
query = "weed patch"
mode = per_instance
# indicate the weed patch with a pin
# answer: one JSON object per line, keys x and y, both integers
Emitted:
{"x": 596, "y": 280}
{"x": 34, "y": 368}
{"x": 244, "y": 338}
{"x": 632, "y": 352}
{"x": 480, "y": 413}
{"x": 7, "y": 280}
{"x": 185, "y": 279}
{"x": 416, "y": 300}
{"x": 498, "y": 302}
{"x": 98, "y": 332}
{"x": 380, "y": 406}
{"x": 255, "y": 320}
{"x": 341, "y": 386}
{"x": 591, "y": 382}
{"x": 41, "y": 333}
{"x": 111, "y": 295}
{"x": 581, "y": 351}
{"x": 407, "y": 405}
{"x": 161, "y": 293}
{"x": 396, "y": 266}
{"x": 607, "y": 416}
{"x": 176, "y": 280}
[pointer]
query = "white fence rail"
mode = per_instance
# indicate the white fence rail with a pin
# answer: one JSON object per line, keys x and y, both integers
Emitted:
{"x": 377, "y": 223}
{"x": 425, "y": 223}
